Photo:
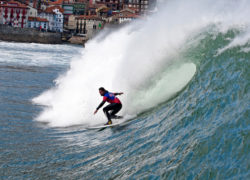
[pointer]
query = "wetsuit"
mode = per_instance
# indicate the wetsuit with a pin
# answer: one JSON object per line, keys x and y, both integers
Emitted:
{"x": 114, "y": 106}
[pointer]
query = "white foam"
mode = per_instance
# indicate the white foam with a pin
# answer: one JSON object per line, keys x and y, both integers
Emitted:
{"x": 242, "y": 39}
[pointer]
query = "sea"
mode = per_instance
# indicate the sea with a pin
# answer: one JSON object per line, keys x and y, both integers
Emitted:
{"x": 185, "y": 75}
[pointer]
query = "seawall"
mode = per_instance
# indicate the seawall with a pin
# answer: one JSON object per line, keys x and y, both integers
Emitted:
{"x": 8, "y": 33}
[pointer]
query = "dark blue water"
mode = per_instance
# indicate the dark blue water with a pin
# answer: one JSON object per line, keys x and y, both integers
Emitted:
{"x": 200, "y": 133}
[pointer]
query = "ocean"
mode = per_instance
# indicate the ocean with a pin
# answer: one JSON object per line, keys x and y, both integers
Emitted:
{"x": 185, "y": 76}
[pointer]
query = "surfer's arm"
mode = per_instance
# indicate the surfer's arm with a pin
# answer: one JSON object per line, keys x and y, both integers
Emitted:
{"x": 118, "y": 93}
{"x": 100, "y": 105}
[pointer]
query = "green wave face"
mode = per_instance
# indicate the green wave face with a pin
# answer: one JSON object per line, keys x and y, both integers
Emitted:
{"x": 206, "y": 126}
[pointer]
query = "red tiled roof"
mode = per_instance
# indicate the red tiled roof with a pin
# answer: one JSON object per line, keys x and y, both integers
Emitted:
{"x": 114, "y": 13}
{"x": 49, "y": 10}
{"x": 105, "y": 10}
{"x": 14, "y": 4}
{"x": 58, "y": 2}
{"x": 37, "y": 19}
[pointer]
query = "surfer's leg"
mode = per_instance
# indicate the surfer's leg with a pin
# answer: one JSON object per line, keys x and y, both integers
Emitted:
{"x": 107, "y": 109}
{"x": 116, "y": 108}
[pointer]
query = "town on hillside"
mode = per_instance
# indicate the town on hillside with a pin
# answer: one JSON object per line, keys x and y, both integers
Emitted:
{"x": 75, "y": 18}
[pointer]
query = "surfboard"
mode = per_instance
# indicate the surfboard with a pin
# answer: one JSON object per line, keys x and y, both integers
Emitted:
{"x": 102, "y": 127}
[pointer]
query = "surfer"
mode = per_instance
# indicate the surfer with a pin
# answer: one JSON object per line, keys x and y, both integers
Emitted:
{"x": 114, "y": 106}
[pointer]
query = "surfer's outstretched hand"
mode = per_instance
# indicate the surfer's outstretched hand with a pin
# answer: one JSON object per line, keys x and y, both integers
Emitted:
{"x": 95, "y": 111}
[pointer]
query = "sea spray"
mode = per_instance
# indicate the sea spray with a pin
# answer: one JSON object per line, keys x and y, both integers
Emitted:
{"x": 142, "y": 59}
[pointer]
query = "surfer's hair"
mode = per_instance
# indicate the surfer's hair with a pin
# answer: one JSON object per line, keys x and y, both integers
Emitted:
{"x": 102, "y": 89}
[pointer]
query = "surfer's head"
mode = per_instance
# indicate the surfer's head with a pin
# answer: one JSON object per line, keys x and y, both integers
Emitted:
{"x": 102, "y": 91}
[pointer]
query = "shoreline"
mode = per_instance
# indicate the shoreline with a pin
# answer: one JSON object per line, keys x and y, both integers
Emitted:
{"x": 28, "y": 35}
{"x": 63, "y": 43}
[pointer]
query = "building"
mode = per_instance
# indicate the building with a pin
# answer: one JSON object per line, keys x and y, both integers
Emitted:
{"x": 141, "y": 6}
{"x": 1, "y": 17}
{"x": 114, "y": 5}
{"x": 73, "y": 8}
{"x": 72, "y": 23}
{"x": 38, "y": 23}
{"x": 124, "y": 16}
{"x": 87, "y": 25}
{"x": 58, "y": 21}
{"x": 14, "y": 13}
{"x": 68, "y": 10}
{"x": 54, "y": 15}
{"x": 32, "y": 12}
{"x": 100, "y": 10}
{"x": 43, "y": 5}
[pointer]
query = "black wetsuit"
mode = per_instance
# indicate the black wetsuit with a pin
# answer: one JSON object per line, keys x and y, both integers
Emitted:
{"x": 114, "y": 106}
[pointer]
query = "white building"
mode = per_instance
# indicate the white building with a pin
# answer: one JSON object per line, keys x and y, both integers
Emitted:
{"x": 55, "y": 17}
{"x": 32, "y": 12}
{"x": 123, "y": 16}
{"x": 38, "y": 23}
{"x": 58, "y": 25}
{"x": 14, "y": 13}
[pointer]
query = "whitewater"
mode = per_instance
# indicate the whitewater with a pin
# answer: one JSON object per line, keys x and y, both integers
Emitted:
{"x": 145, "y": 60}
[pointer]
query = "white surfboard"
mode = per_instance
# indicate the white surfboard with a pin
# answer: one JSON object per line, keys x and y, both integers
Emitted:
{"x": 120, "y": 122}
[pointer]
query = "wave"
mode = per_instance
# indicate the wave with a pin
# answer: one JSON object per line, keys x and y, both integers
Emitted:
{"x": 149, "y": 60}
